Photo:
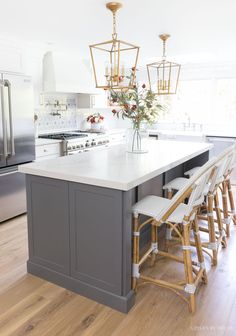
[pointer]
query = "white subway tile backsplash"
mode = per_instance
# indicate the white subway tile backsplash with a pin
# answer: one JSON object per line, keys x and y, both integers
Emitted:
{"x": 52, "y": 116}
{"x": 58, "y": 113}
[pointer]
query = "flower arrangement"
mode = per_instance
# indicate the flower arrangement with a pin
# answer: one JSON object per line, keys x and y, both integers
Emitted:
{"x": 139, "y": 104}
{"x": 95, "y": 118}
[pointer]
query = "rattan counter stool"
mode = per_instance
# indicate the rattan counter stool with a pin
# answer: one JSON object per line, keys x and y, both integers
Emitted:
{"x": 225, "y": 187}
{"x": 173, "y": 212}
{"x": 227, "y": 194}
{"x": 218, "y": 181}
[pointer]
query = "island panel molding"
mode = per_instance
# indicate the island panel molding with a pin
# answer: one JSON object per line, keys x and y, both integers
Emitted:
{"x": 47, "y": 205}
{"x": 95, "y": 218}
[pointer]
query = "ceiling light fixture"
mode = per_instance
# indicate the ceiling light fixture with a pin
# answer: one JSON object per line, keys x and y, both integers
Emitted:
{"x": 118, "y": 57}
{"x": 163, "y": 76}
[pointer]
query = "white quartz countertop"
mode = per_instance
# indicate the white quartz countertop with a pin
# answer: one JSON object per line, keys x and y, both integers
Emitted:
{"x": 114, "y": 167}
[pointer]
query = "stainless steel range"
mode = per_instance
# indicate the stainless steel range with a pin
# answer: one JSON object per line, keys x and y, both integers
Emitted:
{"x": 78, "y": 142}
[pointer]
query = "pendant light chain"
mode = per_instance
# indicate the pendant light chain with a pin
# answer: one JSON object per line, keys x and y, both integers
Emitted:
{"x": 164, "y": 50}
{"x": 114, "y": 35}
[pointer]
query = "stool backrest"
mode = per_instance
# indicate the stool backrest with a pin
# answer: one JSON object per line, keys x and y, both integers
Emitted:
{"x": 208, "y": 175}
{"x": 194, "y": 190}
{"x": 220, "y": 168}
{"x": 230, "y": 166}
{"x": 224, "y": 162}
{"x": 197, "y": 195}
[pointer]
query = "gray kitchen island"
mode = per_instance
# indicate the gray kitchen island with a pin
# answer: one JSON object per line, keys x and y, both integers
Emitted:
{"x": 80, "y": 219}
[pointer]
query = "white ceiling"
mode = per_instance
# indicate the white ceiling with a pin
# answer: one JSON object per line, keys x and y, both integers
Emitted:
{"x": 200, "y": 29}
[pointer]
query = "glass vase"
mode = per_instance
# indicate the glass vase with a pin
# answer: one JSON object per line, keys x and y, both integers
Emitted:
{"x": 137, "y": 140}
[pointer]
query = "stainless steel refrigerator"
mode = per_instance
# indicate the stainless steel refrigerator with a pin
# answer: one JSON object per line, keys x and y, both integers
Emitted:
{"x": 17, "y": 141}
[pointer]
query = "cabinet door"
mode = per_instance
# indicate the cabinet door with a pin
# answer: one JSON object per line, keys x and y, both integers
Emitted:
{"x": 48, "y": 151}
{"x": 91, "y": 101}
{"x": 48, "y": 222}
{"x": 96, "y": 236}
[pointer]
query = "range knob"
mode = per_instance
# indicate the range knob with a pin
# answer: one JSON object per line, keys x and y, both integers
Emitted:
{"x": 69, "y": 147}
{"x": 93, "y": 143}
{"x": 87, "y": 144}
{"x": 81, "y": 146}
{"x": 78, "y": 146}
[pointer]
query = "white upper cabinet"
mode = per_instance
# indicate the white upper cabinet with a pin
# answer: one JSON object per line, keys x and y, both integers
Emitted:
{"x": 67, "y": 72}
{"x": 10, "y": 59}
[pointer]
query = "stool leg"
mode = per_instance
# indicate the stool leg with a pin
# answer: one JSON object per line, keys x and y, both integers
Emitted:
{"x": 200, "y": 255}
{"x": 231, "y": 200}
{"x": 135, "y": 251}
{"x": 168, "y": 227}
{"x": 225, "y": 208}
{"x": 169, "y": 193}
{"x": 219, "y": 220}
{"x": 154, "y": 238}
{"x": 211, "y": 224}
{"x": 188, "y": 266}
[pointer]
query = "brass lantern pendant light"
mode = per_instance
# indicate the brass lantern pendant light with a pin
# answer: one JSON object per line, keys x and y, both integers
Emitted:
{"x": 163, "y": 76}
{"x": 114, "y": 62}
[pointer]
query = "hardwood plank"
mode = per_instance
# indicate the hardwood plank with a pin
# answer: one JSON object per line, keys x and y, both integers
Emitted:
{"x": 23, "y": 287}
{"x": 20, "y": 313}
{"x": 38, "y": 324}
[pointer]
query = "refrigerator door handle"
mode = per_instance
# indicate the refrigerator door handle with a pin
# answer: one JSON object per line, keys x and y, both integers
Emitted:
{"x": 4, "y": 126}
{"x": 8, "y": 85}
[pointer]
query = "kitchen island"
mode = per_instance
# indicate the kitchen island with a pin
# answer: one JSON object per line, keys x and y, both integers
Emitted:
{"x": 80, "y": 219}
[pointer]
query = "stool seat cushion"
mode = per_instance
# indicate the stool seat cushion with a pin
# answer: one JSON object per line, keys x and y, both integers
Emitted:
{"x": 176, "y": 184}
{"x": 192, "y": 171}
{"x": 152, "y": 206}
{"x": 179, "y": 183}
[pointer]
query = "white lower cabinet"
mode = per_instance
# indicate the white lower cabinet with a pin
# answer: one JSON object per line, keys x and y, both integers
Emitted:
{"x": 48, "y": 151}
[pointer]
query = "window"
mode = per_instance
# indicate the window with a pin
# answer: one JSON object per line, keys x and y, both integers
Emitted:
{"x": 203, "y": 101}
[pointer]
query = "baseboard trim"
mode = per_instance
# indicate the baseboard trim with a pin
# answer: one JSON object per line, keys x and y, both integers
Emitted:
{"x": 120, "y": 303}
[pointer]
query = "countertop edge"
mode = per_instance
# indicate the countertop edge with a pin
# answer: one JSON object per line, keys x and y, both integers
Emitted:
{"x": 111, "y": 184}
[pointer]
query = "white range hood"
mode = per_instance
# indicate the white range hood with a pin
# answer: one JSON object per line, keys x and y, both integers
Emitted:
{"x": 67, "y": 72}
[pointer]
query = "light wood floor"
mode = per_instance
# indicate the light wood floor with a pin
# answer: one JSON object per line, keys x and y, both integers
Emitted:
{"x": 31, "y": 306}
